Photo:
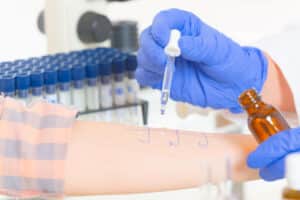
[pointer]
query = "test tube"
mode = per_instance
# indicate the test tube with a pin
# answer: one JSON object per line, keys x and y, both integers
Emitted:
{"x": 22, "y": 86}
{"x": 50, "y": 81}
{"x": 133, "y": 87}
{"x": 132, "y": 91}
{"x": 1, "y": 82}
{"x": 78, "y": 91}
{"x": 105, "y": 71}
{"x": 36, "y": 83}
{"x": 64, "y": 79}
{"x": 8, "y": 85}
{"x": 93, "y": 96}
{"x": 119, "y": 91}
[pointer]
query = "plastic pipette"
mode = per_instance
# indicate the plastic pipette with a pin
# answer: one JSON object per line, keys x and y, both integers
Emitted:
{"x": 172, "y": 51}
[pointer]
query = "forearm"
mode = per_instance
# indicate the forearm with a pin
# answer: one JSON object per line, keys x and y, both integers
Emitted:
{"x": 110, "y": 159}
{"x": 276, "y": 90}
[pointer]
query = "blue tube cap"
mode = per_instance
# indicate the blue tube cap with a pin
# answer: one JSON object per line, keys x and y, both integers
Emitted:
{"x": 36, "y": 79}
{"x": 50, "y": 77}
{"x": 119, "y": 64}
{"x": 131, "y": 63}
{"x": 78, "y": 73}
{"x": 64, "y": 75}
{"x": 92, "y": 70}
{"x": 8, "y": 84}
{"x": 6, "y": 64}
{"x": 23, "y": 81}
{"x": 105, "y": 67}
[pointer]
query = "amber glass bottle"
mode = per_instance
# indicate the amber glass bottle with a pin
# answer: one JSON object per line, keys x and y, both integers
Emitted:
{"x": 263, "y": 119}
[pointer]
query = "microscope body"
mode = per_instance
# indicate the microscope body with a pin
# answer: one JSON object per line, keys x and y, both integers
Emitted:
{"x": 76, "y": 24}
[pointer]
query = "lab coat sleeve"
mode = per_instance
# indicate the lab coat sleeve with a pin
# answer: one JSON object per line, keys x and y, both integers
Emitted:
{"x": 284, "y": 48}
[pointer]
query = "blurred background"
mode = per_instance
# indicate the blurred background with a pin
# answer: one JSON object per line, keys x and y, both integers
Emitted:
{"x": 244, "y": 20}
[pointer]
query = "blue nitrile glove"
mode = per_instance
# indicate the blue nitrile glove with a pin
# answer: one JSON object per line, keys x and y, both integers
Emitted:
{"x": 212, "y": 70}
{"x": 269, "y": 157}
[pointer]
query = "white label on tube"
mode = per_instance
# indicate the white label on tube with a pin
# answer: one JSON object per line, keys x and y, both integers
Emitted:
{"x": 36, "y": 98}
{"x": 52, "y": 98}
{"x": 132, "y": 90}
{"x": 93, "y": 98}
{"x": 65, "y": 98}
{"x": 119, "y": 93}
{"x": 79, "y": 100}
{"x": 106, "y": 96}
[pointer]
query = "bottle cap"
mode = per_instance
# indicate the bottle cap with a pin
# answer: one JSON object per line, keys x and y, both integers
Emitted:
{"x": 23, "y": 81}
{"x": 131, "y": 63}
{"x": 18, "y": 62}
{"x": 36, "y": 78}
{"x": 119, "y": 64}
{"x": 105, "y": 67}
{"x": 64, "y": 75}
{"x": 78, "y": 73}
{"x": 33, "y": 61}
{"x": 8, "y": 84}
{"x": 13, "y": 72}
{"x": 50, "y": 77}
{"x": 92, "y": 71}
{"x": 172, "y": 49}
{"x": 292, "y": 171}
{"x": 6, "y": 64}
{"x": 47, "y": 58}
{"x": 60, "y": 56}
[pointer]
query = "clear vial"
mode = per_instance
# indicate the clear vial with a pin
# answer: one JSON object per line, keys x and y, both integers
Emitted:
{"x": 119, "y": 90}
{"x": 36, "y": 84}
{"x": 50, "y": 83}
{"x": 9, "y": 87}
{"x": 93, "y": 96}
{"x": 132, "y": 91}
{"x": 64, "y": 79}
{"x": 133, "y": 87}
{"x": 105, "y": 71}
{"x": 22, "y": 86}
{"x": 78, "y": 90}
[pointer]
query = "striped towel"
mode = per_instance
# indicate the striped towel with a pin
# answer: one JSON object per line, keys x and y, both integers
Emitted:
{"x": 33, "y": 147}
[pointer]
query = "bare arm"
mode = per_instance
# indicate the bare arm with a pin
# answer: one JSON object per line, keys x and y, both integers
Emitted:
{"x": 115, "y": 159}
{"x": 276, "y": 90}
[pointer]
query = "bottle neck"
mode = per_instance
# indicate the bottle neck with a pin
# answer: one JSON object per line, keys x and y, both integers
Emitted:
{"x": 254, "y": 106}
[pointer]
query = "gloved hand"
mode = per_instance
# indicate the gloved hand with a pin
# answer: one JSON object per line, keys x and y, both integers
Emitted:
{"x": 212, "y": 69}
{"x": 269, "y": 157}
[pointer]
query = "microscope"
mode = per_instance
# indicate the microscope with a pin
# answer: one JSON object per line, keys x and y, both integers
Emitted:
{"x": 77, "y": 24}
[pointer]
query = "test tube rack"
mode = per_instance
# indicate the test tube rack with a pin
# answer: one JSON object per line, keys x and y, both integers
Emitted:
{"x": 85, "y": 73}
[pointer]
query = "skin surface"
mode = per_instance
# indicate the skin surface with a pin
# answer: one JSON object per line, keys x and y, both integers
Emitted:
{"x": 116, "y": 159}
{"x": 277, "y": 91}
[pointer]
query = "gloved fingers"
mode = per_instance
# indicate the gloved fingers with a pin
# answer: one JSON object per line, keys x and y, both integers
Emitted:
{"x": 184, "y": 79}
{"x": 165, "y": 21}
{"x": 151, "y": 54}
{"x": 147, "y": 78}
{"x": 149, "y": 64}
{"x": 236, "y": 110}
{"x": 274, "y": 171}
{"x": 210, "y": 47}
{"x": 275, "y": 148}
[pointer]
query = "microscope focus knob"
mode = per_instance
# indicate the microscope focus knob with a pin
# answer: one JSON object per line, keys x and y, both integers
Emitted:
{"x": 94, "y": 28}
